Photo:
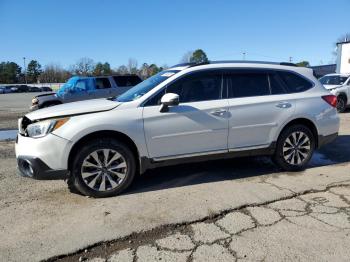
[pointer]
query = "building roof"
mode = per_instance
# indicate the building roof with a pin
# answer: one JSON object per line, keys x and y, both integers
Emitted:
{"x": 324, "y": 69}
{"x": 344, "y": 42}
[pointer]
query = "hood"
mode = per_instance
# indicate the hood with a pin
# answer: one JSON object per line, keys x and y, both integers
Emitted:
{"x": 46, "y": 94}
{"x": 331, "y": 86}
{"x": 75, "y": 108}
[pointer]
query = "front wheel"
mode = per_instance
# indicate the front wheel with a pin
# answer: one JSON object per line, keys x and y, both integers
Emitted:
{"x": 103, "y": 168}
{"x": 295, "y": 147}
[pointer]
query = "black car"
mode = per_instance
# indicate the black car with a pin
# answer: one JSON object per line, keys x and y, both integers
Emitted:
{"x": 34, "y": 89}
{"x": 46, "y": 89}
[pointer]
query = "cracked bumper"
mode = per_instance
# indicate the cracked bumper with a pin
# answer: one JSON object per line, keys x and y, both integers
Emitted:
{"x": 45, "y": 154}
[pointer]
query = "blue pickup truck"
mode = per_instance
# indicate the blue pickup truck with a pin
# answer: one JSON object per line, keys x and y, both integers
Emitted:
{"x": 82, "y": 88}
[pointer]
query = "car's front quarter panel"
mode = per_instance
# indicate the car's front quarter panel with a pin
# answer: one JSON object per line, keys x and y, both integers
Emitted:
{"x": 127, "y": 121}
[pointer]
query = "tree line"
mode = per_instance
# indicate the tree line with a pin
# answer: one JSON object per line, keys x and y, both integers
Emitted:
{"x": 12, "y": 73}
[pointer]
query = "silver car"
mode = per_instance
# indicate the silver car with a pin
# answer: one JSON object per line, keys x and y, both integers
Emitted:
{"x": 184, "y": 114}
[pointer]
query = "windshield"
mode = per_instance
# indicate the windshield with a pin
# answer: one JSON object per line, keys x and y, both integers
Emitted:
{"x": 333, "y": 80}
{"x": 68, "y": 85}
{"x": 145, "y": 86}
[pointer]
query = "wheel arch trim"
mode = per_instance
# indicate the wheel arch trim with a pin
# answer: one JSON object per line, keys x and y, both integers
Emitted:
{"x": 105, "y": 134}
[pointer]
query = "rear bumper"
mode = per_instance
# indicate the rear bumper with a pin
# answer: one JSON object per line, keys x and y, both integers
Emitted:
{"x": 35, "y": 168}
{"x": 323, "y": 140}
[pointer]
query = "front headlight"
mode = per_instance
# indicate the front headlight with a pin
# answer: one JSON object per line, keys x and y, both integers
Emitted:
{"x": 35, "y": 101}
{"x": 42, "y": 128}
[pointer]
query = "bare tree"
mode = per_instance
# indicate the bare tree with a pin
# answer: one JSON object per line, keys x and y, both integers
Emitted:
{"x": 122, "y": 70}
{"x": 186, "y": 57}
{"x": 54, "y": 73}
{"x": 144, "y": 71}
{"x": 84, "y": 66}
{"x": 132, "y": 66}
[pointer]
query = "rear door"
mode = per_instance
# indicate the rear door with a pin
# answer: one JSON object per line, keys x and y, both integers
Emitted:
{"x": 258, "y": 104}
{"x": 83, "y": 89}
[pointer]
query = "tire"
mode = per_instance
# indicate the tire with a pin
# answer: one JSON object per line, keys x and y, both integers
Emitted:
{"x": 341, "y": 103}
{"x": 302, "y": 150}
{"x": 102, "y": 168}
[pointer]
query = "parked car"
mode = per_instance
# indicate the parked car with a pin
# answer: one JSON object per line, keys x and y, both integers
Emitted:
{"x": 184, "y": 114}
{"x": 339, "y": 85}
{"x": 84, "y": 88}
{"x": 5, "y": 89}
{"x": 20, "y": 89}
{"x": 34, "y": 89}
{"x": 46, "y": 89}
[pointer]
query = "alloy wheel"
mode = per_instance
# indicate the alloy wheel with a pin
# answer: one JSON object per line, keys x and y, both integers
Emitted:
{"x": 104, "y": 169}
{"x": 296, "y": 148}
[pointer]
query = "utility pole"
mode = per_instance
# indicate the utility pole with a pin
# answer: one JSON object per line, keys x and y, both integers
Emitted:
{"x": 25, "y": 70}
{"x": 244, "y": 55}
{"x": 290, "y": 59}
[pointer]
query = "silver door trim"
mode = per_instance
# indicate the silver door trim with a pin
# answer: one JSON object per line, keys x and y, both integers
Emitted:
{"x": 157, "y": 159}
{"x": 244, "y": 148}
{"x": 184, "y": 133}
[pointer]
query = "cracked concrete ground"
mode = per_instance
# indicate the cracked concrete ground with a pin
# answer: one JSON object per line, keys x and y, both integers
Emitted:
{"x": 231, "y": 209}
{"x": 319, "y": 230}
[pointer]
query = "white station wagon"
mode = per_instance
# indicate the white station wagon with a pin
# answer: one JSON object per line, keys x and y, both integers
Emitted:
{"x": 184, "y": 114}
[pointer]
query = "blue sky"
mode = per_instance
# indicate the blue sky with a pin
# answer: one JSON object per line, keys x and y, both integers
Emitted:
{"x": 161, "y": 32}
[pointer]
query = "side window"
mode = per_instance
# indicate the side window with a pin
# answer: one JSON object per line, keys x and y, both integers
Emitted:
{"x": 294, "y": 82}
{"x": 119, "y": 80}
{"x": 156, "y": 99}
{"x": 276, "y": 85}
{"x": 102, "y": 83}
{"x": 197, "y": 87}
{"x": 132, "y": 80}
{"x": 81, "y": 85}
{"x": 246, "y": 84}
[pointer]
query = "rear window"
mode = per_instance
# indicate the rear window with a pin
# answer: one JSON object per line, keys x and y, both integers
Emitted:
{"x": 295, "y": 83}
{"x": 127, "y": 80}
{"x": 276, "y": 85}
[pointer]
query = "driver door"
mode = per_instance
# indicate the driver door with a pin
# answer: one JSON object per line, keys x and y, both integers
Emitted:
{"x": 199, "y": 124}
{"x": 83, "y": 90}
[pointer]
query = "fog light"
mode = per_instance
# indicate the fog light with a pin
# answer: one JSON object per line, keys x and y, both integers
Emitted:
{"x": 28, "y": 169}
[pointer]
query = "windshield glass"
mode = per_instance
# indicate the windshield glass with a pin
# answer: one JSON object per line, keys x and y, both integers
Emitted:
{"x": 145, "y": 86}
{"x": 333, "y": 80}
{"x": 68, "y": 85}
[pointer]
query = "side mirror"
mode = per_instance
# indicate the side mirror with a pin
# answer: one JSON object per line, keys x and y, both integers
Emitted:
{"x": 169, "y": 99}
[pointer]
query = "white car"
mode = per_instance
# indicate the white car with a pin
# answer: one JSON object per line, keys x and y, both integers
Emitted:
{"x": 339, "y": 85}
{"x": 184, "y": 114}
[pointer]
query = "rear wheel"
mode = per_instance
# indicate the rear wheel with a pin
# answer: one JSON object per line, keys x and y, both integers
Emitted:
{"x": 295, "y": 147}
{"x": 341, "y": 103}
{"x": 102, "y": 168}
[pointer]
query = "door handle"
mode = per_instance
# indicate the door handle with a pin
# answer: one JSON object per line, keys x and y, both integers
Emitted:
{"x": 284, "y": 105}
{"x": 219, "y": 112}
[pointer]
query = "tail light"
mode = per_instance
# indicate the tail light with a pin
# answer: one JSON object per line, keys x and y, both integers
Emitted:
{"x": 331, "y": 100}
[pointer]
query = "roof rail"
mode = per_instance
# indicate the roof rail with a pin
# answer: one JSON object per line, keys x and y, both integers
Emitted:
{"x": 236, "y": 62}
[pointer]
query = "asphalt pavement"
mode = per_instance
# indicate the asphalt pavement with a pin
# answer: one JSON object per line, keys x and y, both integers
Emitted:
{"x": 42, "y": 220}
